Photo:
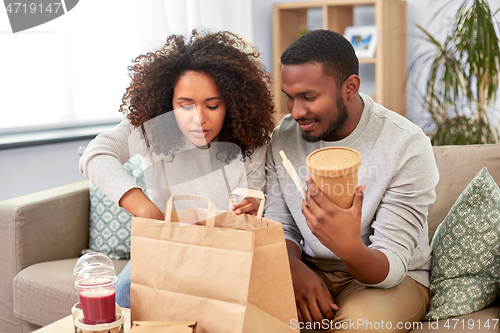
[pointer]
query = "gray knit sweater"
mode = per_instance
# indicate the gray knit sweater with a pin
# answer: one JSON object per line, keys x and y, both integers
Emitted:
{"x": 400, "y": 174}
{"x": 192, "y": 171}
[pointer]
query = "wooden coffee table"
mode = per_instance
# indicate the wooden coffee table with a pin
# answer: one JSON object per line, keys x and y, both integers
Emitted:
{"x": 66, "y": 325}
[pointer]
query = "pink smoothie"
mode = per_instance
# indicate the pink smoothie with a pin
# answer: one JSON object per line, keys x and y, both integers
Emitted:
{"x": 98, "y": 305}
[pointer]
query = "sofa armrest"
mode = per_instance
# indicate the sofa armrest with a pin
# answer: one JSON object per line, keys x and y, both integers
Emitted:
{"x": 46, "y": 225}
{"x": 42, "y": 226}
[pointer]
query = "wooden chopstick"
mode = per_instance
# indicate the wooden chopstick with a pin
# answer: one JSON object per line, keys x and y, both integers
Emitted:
{"x": 291, "y": 171}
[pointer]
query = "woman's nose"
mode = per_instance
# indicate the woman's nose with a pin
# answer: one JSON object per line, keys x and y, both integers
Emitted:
{"x": 199, "y": 116}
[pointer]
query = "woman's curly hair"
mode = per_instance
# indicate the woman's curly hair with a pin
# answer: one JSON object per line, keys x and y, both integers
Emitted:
{"x": 239, "y": 75}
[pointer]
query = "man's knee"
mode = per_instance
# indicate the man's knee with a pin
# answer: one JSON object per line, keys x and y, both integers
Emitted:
{"x": 399, "y": 309}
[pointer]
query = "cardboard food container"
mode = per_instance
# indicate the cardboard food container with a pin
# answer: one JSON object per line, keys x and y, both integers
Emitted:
{"x": 163, "y": 327}
{"x": 335, "y": 171}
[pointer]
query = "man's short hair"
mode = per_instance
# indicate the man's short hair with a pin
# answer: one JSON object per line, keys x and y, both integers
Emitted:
{"x": 328, "y": 48}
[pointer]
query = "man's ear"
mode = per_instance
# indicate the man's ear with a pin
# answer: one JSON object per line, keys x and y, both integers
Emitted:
{"x": 351, "y": 87}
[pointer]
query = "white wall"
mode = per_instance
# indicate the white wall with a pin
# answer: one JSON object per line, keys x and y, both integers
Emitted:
{"x": 421, "y": 13}
{"x": 29, "y": 169}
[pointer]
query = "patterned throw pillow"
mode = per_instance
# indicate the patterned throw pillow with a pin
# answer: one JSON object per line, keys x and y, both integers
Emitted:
{"x": 110, "y": 224}
{"x": 465, "y": 270}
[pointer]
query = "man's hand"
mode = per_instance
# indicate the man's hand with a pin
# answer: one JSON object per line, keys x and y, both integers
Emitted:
{"x": 339, "y": 230}
{"x": 246, "y": 206}
{"x": 336, "y": 228}
{"x": 313, "y": 299}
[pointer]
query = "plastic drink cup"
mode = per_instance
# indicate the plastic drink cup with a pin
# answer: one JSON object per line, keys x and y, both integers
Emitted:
{"x": 98, "y": 305}
{"x": 96, "y": 283}
{"x": 335, "y": 171}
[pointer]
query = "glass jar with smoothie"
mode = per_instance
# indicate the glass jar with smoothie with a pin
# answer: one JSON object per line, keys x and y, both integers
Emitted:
{"x": 96, "y": 280}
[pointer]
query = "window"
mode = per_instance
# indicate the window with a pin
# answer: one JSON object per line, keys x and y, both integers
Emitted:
{"x": 73, "y": 70}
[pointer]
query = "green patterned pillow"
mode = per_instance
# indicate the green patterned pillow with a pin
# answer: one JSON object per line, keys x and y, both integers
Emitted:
{"x": 110, "y": 224}
{"x": 465, "y": 270}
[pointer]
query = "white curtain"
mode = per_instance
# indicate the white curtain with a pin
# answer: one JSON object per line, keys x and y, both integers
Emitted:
{"x": 74, "y": 68}
{"x": 164, "y": 17}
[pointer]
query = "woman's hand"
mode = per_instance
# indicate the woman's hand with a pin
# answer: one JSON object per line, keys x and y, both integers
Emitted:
{"x": 138, "y": 204}
{"x": 246, "y": 206}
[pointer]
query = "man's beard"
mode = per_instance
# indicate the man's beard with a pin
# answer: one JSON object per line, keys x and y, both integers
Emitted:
{"x": 333, "y": 126}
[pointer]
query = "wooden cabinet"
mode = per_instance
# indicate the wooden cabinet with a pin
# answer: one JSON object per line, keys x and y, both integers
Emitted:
{"x": 389, "y": 61}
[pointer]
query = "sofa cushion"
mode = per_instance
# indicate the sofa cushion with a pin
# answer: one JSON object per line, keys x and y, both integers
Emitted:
{"x": 457, "y": 166}
{"x": 45, "y": 292}
{"x": 110, "y": 224}
{"x": 465, "y": 267}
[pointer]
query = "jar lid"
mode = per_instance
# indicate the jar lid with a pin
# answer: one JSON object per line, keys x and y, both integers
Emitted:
{"x": 93, "y": 270}
{"x": 96, "y": 275}
{"x": 91, "y": 258}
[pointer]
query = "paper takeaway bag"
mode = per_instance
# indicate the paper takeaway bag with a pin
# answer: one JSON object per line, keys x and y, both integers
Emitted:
{"x": 230, "y": 273}
{"x": 163, "y": 327}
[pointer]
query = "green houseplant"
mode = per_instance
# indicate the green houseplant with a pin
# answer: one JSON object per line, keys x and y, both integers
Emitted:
{"x": 464, "y": 75}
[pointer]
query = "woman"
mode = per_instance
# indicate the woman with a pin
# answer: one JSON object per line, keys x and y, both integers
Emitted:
{"x": 199, "y": 113}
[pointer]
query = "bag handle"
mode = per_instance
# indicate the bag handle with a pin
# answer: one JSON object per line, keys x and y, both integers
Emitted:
{"x": 211, "y": 207}
{"x": 252, "y": 194}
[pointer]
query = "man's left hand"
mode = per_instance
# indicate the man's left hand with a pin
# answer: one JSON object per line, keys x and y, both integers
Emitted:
{"x": 336, "y": 228}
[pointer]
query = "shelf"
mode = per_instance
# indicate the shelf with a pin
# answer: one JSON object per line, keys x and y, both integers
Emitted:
{"x": 390, "y": 56}
{"x": 367, "y": 60}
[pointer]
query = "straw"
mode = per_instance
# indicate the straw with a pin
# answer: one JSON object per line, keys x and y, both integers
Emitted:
{"x": 291, "y": 171}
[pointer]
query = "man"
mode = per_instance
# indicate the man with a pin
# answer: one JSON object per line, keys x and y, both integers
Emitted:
{"x": 364, "y": 268}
